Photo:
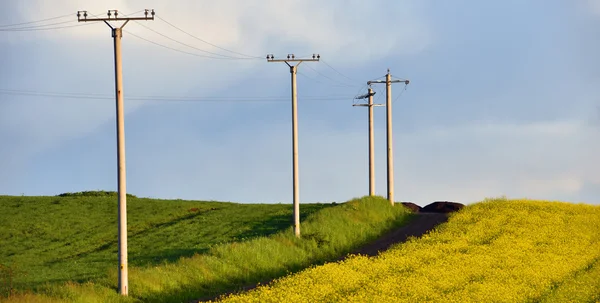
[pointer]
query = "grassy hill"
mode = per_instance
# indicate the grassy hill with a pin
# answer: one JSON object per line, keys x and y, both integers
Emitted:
{"x": 56, "y": 239}
{"x": 64, "y": 248}
{"x": 494, "y": 251}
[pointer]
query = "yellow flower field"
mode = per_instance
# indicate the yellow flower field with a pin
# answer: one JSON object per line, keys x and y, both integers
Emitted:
{"x": 495, "y": 251}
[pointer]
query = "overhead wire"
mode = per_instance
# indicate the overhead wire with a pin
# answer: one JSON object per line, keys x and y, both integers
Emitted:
{"x": 191, "y": 46}
{"x": 202, "y": 40}
{"x": 402, "y": 92}
{"x": 71, "y": 95}
{"x": 337, "y": 71}
{"x": 40, "y": 28}
{"x": 178, "y": 50}
{"x": 215, "y": 55}
{"x": 37, "y": 21}
{"x": 320, "y": 82}
{"x": 329, "y": 78}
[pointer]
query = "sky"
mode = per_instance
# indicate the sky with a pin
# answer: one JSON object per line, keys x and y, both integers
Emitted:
{"x": 502, "y": 101}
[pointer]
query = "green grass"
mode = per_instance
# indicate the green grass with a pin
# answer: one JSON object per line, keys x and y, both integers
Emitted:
{"x": 57, "y": 239}
{"x": 162, "y": 231}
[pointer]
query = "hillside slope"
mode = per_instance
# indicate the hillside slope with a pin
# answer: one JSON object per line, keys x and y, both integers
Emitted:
{"x": 74, "y": 238}
{"x": 494, "y": 251}
{"x": 327, "y": 234}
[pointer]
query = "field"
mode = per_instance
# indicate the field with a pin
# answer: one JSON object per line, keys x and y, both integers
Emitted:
{"x": 495, "y": 251}
{"x": 64, "y": 249}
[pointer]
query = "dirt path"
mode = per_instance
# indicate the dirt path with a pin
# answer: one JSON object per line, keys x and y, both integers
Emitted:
{"x": 420, "y": 225}
{"x": 423, "y": 223}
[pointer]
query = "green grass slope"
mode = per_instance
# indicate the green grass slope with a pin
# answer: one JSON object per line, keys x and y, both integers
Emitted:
{"x": 327, "y": 233}
{"x": 57, "y": 239}
{"x": 495, "y": 251}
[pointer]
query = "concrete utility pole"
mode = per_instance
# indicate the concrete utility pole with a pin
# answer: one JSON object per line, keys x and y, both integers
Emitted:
{"x": 390, "y": 155}
{"x": 370, "y": 105}
{"x": 117, "y": 33}
{"x": 293, "y": 71}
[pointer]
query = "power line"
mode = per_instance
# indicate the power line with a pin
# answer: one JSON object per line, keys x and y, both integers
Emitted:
{"x": 402, "y": 92}
{"x": 38, "y": 26}
{"x": 37, "y": 21}
{"x": 41, "y": 27}
{"x": 182, "y": 51}
{"x": 191, "y": 46}
{"x": 28, "y": 29}
{"x": 335, "y": 70}
{"x": 320, "y": 82}
{"x": 331, "y": 79}
{"x": 69, "y": 95}
{"x": 195, "y": 37}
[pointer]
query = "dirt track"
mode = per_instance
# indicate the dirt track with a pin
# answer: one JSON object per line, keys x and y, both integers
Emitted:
{"x": 420, "y": 225}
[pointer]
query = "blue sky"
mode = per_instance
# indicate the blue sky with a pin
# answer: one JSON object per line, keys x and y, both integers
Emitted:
{"x": 503, "y": 100}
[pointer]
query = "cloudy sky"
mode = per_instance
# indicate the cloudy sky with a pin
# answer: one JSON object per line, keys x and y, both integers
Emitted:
{"x": 503, "y": 99}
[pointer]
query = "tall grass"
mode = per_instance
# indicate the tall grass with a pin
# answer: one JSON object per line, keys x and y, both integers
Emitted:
{"x": 326, "y": 235}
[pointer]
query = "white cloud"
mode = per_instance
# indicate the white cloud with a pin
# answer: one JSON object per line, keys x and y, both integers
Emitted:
{"x": 339, "y": 30}
{"x": 334, "y": 29}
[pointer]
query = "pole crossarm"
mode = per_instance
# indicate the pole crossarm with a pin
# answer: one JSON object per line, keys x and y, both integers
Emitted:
{"x": 113, "y": 15}
{"x": 383, "y": 81}
{"x": 366, "y": 104}
{"x": 292, "y": 58}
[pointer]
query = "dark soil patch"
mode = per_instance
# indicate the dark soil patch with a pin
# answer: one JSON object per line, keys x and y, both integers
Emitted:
{"x": 442, "y": 207}
{"x": 412, "y": 206}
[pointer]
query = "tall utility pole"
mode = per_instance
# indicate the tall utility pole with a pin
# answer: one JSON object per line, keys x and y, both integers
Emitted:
{"x": 293, "y": 71}
{"x": 390, "y": 154}
{"x": 370, "y": 105}
{"x": 117, "y": 34}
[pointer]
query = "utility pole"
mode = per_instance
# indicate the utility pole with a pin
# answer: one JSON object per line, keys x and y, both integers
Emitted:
{"x": 390, "y": 154}
{"x": 293, "y": 71}
{"x": 117, "y": 34}
{"x": 370, "y": 105}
